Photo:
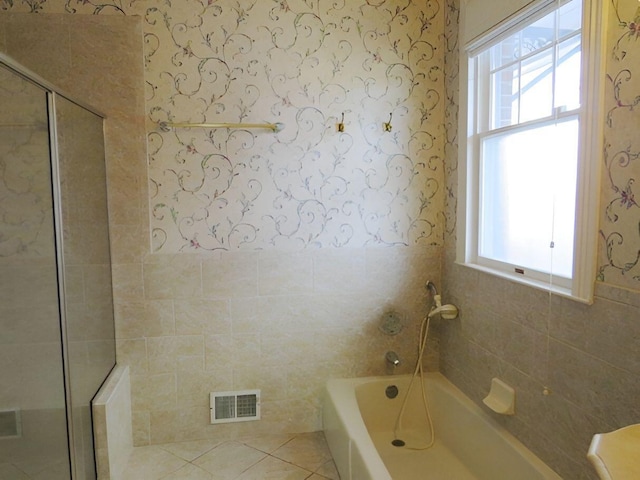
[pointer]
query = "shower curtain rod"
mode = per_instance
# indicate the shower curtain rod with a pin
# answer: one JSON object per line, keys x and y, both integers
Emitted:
{"x": 275, "y": 127}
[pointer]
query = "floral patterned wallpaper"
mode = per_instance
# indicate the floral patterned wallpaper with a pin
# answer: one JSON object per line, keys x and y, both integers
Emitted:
{"x": 305, "y": 64}
{"x": 620, "y": 221}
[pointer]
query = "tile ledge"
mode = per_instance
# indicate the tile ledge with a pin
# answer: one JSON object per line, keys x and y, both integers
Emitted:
{"x": 616, "y": 293}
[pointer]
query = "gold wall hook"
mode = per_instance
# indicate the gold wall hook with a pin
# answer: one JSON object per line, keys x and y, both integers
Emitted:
{"x": 341, "y": 124}
{"x": 386, "y": 126}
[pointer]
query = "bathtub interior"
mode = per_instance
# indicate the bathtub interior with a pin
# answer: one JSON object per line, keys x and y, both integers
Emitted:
{"x": 380, "y": 413}
{"x": 469, "y": 444}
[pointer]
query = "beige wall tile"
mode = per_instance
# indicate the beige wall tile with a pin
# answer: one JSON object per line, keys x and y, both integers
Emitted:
{"x": 159, "y": 318}
{"x": 150, "y": 319}
{"x": 134, "y": 354}
{"x": 127, "y": 283}
{"x": 271, "y": 381}
{"x": 167, "y": 426}
{"x": 231, "y": 350}
{"x": 153, "y": 392}
{"x": 232, "y": 275}
{"x": 285, "y": 273}
{"x": 129, "y": 243}
{"x": 140, "y": 427}
{"x": 29, "y": 40}
{"x": 165, "y": 352}
{"x": 176, "y": 278}
{"x": 339, "y": 271}
{"x": 194, "y": 385}
{"x": 202, "y": 317}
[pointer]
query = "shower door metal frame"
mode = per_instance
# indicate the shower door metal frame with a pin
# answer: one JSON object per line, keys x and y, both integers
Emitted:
{"x": 52, "y": 93}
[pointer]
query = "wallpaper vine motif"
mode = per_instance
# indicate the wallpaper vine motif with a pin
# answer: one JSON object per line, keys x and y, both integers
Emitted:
{"x": 619, "y": 227}
{"x": 452, "y": 70}
{"x": 304, "y": 64}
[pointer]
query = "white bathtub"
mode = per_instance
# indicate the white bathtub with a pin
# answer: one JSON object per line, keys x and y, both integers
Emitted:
{"x": 359, "y": 420}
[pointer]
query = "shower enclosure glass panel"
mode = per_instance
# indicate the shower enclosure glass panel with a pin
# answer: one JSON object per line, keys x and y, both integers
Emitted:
{"x": 86, "y": 264}
{"x": 57, "y": 341}
{"x": 33, "y": 426}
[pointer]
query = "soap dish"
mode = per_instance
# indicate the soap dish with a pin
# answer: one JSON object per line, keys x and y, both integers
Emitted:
{"x": 501, "y": 398}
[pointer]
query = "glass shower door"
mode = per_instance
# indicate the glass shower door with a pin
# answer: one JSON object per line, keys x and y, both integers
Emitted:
{"x": 33, "y": 424}
{"x": 89, "y": 338}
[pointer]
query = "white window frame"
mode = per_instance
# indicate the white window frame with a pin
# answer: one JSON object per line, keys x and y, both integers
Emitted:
{"x": 590, "y": 150}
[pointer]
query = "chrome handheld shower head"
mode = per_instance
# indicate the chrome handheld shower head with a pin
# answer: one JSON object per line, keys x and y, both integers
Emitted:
{"x": 447, "y": 312}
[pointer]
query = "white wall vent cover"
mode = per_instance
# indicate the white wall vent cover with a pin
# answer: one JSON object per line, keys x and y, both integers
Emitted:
{"x": 239, "y": 406}
{"x": 10, "y": 423}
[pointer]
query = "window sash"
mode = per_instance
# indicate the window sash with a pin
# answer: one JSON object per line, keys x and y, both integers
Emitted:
{"x": 558, "y": 282}
{"x": 517, "y": 215}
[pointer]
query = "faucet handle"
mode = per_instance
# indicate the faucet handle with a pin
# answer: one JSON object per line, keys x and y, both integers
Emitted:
{"x": 392, "y": 358}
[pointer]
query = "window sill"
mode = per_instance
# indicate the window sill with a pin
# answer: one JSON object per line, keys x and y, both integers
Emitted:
{"x": 553, "y": 289}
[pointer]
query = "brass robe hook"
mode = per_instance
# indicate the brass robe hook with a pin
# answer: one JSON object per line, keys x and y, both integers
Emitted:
{"x": 386, "y": 126}
{"x": 341, "y": 124}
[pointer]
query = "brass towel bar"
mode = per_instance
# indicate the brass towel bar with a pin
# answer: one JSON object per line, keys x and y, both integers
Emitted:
{"x": 275, "y": 127}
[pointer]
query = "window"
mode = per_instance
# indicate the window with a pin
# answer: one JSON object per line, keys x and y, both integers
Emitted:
{"x": 533, "y": 142}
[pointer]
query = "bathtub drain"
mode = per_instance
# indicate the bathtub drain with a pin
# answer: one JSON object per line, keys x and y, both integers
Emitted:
{"x": 397, "y": 443}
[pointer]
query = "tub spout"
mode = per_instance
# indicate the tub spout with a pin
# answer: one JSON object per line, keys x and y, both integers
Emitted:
{"x": 392, "y": 358}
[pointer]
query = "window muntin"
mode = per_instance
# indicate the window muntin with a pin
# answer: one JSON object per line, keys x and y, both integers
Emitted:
{"x": 535, "y": 70}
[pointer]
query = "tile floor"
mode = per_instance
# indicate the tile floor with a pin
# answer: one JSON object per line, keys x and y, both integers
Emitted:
{"x": 269, "y": 457}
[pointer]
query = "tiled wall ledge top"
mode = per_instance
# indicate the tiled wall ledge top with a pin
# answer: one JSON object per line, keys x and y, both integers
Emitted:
{"x": 617, "y": 294}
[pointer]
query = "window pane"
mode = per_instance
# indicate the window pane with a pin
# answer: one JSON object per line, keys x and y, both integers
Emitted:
{"x": 538, "y": 35}
{"x": 505, "y": 84}
{"x": 527, "y": 197}
{"x": 536, "y": 90}
{"x": 568, "y": 74}
{"x": 569, "y": 18}
{"x": 506, "y": 51}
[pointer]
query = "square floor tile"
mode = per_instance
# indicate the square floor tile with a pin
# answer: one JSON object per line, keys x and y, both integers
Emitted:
{"x": 228, "y": 460}
{"x": 329, "y": 470}
{"x": 151, "y": 463}
{"x": 308, "y": 450}
{"x": 9, "y": 472}
{"x": 189, "y": 472}
{"x": 268, "y": 443}
{"x": 272, "y": 468}
{"x": 189, "y": 451}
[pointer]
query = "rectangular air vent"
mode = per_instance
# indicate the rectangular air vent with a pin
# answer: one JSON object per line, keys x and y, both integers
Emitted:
{"x": 10, "y": 424}
{"x": 239, "y": 406}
